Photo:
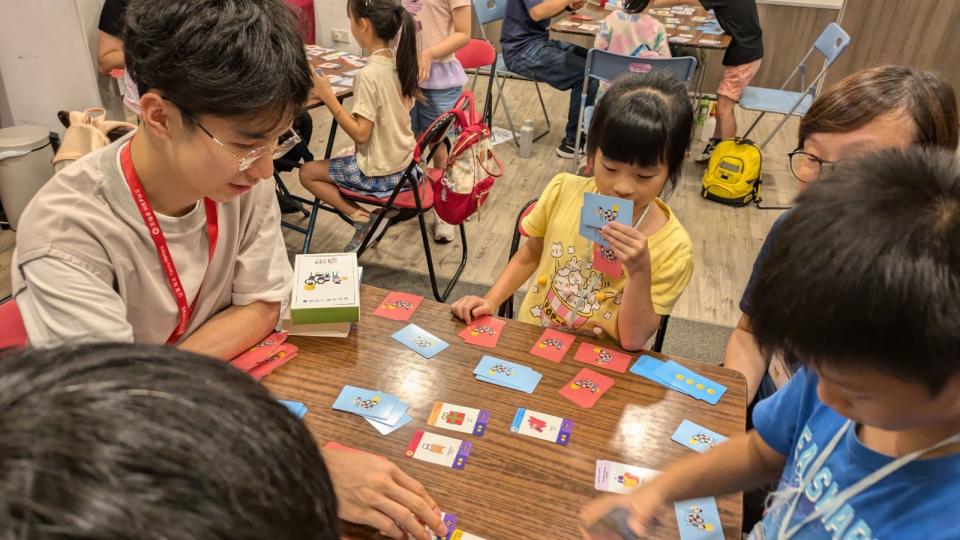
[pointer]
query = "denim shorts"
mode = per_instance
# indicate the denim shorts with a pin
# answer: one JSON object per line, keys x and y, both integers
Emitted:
{"x": 435, "y": 103}
{"x": 345, "y": 172}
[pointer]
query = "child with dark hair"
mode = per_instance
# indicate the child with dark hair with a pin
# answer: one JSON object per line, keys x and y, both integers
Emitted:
{"x": 384, "y": 91}
{"x": 639, "y": 136}
{"x": 865, "y": 438}
{"x": 631, "y": 32}
{"x": 124, "y": 441}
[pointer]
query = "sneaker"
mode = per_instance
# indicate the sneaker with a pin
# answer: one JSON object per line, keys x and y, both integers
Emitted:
{"x": 443, "y": 232}
{"x": 363, "y": 228}
{"x": 287, "y": 204}
{"x": 704, "y": 156}
{"x": 566, "y": 149}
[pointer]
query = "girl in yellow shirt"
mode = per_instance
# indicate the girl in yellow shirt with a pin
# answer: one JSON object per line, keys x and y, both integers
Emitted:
{"x": 639, "y": 137}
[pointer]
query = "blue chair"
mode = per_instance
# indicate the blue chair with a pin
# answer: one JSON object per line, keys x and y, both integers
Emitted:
{"x": 605, "y": 66}
{"x": 831, "y": 43}
{"x": 489, "y": 11}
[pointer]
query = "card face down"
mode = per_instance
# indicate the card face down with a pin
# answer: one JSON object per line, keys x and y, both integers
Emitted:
{"x": 365, "y": 402}
{"x": 420, "y": 341}
{"x": 696, "y": 437}
{"x": 586, "y": 388}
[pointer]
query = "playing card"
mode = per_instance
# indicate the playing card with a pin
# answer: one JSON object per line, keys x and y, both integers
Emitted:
{"x": 646, "y": 367}
{"x": 604, "y": 260}
{"x": 672, "y": 20}
{"x": 398, "y": 306}
{"x": 259, "y": 353}
{"x": 439, "y": 450}
{"x": 484, "y": 331}
{"x": 598, "y": 210}
{"x": 528, "y": 384}
{"x": 369, "y": 403}
{"x": 542, "y": 426}
{"x": 710, "y": 42}
{"x": 398, "y": 412}
{"x": 596, "y": 355}
{"x": 678, "y": 39}
{"x": 330, "y": 65}
{"x": 351, "y": 73}
{"x": 620, "y": 478}
{"x": 698, "y": 519}
{"x": 586, "y": 387}
{"x": 459, "y": 534}
{"x": 459, "y": 418}
{"x": 696, "y": 437}
{"x": 581, "y": 17}
{"x": 298, "y": 409}
{"x": 346, "y": 81}
{"x": 386, "y": 429}
{"x": 589, "y": 27}
{"x": 506, "y": 373}
{"x": 281, "y": 356}
{"x": 332, "y": 56}
{"x": 552, "y": 345}
{"x": 450, "y": 520}
{"x": 420, "y": 341}
{"x": 688, "y": 382}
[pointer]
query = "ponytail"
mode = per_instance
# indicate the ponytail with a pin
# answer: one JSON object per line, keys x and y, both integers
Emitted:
{"x": 390, "y": 19}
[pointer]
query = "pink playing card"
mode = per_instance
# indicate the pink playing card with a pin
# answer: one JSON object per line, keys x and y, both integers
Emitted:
{"x": 586, "y": 388}
{"x": 284, "y": 354}
{"x": 605, "y": 261}
{"x": 398, "y": 306}
{"x": 484, "y": 331}
{"x": 598, "y": 356}
{"x": 552, "y": 345}
{"x": 259, "y": 353}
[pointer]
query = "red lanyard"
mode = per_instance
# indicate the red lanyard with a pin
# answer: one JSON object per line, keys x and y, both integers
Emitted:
{"x": 163, "y": 252}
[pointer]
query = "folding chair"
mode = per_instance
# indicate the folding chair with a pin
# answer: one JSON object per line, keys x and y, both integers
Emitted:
{"x": 605, "y": 66}
{"x": 476, "y": 54}
{"x": 831, "y": 43}
{"x": 12, "y": 331}
{"x": 488, "y": 11}
{"x": 506, "y": 309}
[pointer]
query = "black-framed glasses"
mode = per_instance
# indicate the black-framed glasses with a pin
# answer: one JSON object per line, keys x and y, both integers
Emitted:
{"x": 288, "y": 138}
{"x": 807, "y": 167}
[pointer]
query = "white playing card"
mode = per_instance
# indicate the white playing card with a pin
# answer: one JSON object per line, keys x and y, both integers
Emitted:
{"x": 460, "y": 419}
{"x": 620, "y": 478}
{"x": 437, "y": 449}
{"x": 542, "y": 426}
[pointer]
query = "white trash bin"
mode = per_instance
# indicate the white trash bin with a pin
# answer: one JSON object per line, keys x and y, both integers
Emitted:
{"x": 25, "y": 155}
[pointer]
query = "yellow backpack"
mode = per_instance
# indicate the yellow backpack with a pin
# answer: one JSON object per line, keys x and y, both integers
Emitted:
{"x": 733, "y": 174}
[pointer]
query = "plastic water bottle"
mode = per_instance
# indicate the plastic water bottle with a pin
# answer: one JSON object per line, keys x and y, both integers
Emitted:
{"x": 709, "y": 124}
{"x": 526, "y": 139}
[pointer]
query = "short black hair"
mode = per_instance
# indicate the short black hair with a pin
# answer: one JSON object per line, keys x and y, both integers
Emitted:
{"x": 865, "y": 270}
{"x": 643, "y": 119}
{"x": 229, "y": 58}
{"x": 635, "y": 6}
{"x": 134, "y": 441}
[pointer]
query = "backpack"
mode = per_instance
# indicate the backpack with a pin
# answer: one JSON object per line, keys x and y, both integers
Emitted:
{"x": 462, "y": 186}
{"x": 733, "y": 173}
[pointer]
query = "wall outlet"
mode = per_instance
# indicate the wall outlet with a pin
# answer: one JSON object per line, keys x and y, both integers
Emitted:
{"x": 340, "y": 35}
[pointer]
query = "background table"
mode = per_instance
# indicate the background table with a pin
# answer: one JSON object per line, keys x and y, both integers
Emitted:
{"x": 513, "y": 486}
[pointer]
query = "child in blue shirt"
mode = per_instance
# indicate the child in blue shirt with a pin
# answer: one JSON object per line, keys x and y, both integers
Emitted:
{"x": 865, "y": 438}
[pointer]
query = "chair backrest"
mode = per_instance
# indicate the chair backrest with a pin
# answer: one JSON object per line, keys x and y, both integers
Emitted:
{"x": 477, "y": 53}
{"x": 12, "y": 331}
{"x": 832, "y": 41}
{"x": 488, "y": 11}
{"x": 605, "y": 66}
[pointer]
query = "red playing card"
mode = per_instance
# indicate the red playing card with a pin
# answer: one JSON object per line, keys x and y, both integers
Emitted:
{"x": 579, "y": 17}
{"x": 605, "y": 261}
{"x": 259, "y": 353}
{"x": 398, "y": 306}
{"x": 552, "y": 345}
{"x": 598, "y": 356}
{"x": 484, "y": 331}
{"x": 586, "y": 388}
{"x": 284, "y": 354}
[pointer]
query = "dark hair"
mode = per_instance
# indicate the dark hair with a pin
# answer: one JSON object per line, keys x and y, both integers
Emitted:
{"x": 923, "y": 96}
{"x": 865, "y": 271}
{"x": 135, "y": 441}
{"x": 389, "y": 18}
{"x": 643, "y": 119}
{"x": 231, "y": 58}
{"x": 635, "y": 6}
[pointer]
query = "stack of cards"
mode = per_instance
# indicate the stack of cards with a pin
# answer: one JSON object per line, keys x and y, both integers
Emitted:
{"x": 586, "y": 388}
{"x": 698, "y": 519}
{"x": 420, "y": 341}
{"x": 265, "y": 357}
{"x": 598, "y": 210}
{"x": 677, "y": 377}
{"x": 298, "y": 409}
{"x": 602, "y": 357}
{"x": 507, "y": 374}
{"x": 398, "y": 306}
{"x": 542, "y": 426}
{"x": 385, "y": 412}
{"x": 458, "y": 418}
{"x": 619, "y": 478}
{"x": 484, "y": 331}
{"x": 696, "y": 437}
{"x": 552, "y": 345}
{"x": 439, "y": 450}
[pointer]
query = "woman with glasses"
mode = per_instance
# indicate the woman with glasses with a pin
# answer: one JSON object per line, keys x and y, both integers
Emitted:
{"x": 873, "y": 109}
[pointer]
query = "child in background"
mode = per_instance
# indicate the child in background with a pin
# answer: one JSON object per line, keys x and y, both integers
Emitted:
{"x": 865, "y": 438}
{"x": 444, "y": 28}
{"x": 383, "y": 94}
{"x": 639, "y": 136}
{"x": 631, "y": 32}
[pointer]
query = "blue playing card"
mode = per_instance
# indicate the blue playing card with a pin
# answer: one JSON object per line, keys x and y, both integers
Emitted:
{"x": 696, "y": 437}
{"x": 368, "y": 403}
{"x": 646, "y": 367}
{"x": 386, "y": 429}
{"x": 698, "y": 519}
{"x": 398, "y": 412}
{"x": 298, "y": 409}
{"x": 505, "y": 373}
{"x": 527, "y": 385}
{"x": 688, "y": 382}
{"x": 598, "y": 210}
{"x": 420, "y": 341}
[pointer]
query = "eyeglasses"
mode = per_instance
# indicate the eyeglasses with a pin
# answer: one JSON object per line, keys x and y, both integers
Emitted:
{"x": 808, "y": 167}
{"x": 289, "y": 139}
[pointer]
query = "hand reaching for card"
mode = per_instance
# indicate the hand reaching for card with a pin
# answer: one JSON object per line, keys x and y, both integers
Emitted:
{"x": 469, "y": 308}
{"x": 322, "y": 87}
{"x": 373, "y": 491}
{"x": 629, "y": 245}
{"x": 642, "y": 507}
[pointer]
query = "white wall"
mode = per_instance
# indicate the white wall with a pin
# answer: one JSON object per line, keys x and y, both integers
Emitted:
{"x": 332, "y": 14}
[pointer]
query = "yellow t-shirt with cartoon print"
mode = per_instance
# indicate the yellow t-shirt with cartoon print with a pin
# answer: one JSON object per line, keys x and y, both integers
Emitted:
{"x": 566, "y": 292}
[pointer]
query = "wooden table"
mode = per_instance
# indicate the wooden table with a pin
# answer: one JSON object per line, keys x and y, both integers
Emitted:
{"x": 572, "y": 31}
{"x": 513, "y": 487}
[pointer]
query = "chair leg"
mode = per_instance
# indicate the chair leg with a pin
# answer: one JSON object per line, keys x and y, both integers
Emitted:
{"x": 308, "y": 233}
{"x": 441, "y": 297}
{"x": 506, "y": 110}
{"x": 756, "y": 121}
{"x": 543, "y": 107}
{"x": 661, "y": 334}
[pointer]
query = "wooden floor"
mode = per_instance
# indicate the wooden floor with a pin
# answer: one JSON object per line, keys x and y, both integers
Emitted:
{"x": 726, "y": 240}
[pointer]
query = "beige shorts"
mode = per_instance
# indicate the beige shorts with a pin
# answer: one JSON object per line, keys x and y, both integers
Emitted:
{"x": 733, "y": 79}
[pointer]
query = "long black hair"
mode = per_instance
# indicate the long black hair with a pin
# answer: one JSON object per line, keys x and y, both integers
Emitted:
{"x": 635, "y": 6}
{"x": 389, "y": 18}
